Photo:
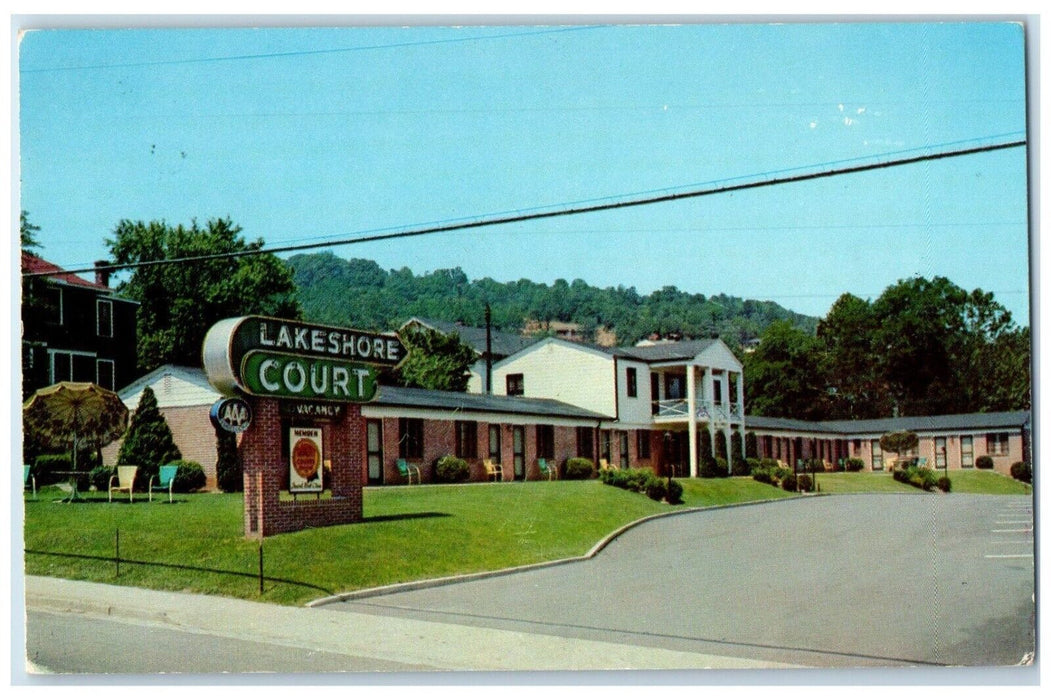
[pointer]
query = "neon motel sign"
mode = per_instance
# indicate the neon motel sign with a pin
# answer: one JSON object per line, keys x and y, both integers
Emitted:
{"x": 272, "y": 357}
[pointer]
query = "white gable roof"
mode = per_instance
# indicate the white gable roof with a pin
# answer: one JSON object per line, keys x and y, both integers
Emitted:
{"x": 174, "y": 386}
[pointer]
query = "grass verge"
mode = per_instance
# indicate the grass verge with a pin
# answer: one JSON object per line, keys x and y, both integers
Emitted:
{"x": 408, "y": 534}
{"x": 197, "y": 544}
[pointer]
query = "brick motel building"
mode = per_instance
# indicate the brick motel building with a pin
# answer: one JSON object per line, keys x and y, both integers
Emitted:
{"x": 514, "y": 431}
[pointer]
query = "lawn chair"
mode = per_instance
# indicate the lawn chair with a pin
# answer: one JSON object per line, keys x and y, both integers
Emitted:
{"x": 125, "y": 478}
{"x": 165, "y": 481}
{"x": 603, "y": 464}
{"x": 493, "y": 471}
{"x": 407, "y": 470}
{"x": 28, "y": 480}
{"x": 546, "y": 469}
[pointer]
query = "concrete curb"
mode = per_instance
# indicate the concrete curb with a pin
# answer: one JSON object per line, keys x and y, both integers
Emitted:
{"x": 480, "y": 575}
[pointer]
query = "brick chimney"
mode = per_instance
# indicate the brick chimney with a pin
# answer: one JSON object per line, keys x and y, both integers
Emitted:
{"x": 102, "y": 275}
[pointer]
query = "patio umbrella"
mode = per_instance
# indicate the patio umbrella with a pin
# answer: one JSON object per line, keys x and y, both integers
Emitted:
{"x": 75, "y": 414}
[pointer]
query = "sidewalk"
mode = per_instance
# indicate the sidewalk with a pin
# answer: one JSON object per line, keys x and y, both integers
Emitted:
{"x": 441, "y": 646}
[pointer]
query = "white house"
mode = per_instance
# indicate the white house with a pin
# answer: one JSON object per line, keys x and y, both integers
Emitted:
{"x": 666, "y": 392}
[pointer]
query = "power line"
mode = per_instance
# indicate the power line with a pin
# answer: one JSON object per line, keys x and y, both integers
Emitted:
{"x": 519, "y": 217}
{"x": 311, "y": 52}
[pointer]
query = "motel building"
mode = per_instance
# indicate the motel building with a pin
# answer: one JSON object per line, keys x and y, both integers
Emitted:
{"x": 646, "y": 406}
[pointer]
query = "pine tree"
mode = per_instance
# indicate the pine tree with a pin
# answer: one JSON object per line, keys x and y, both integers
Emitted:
{"x": 228, "y": 470}
{"x": 148, "y": 442}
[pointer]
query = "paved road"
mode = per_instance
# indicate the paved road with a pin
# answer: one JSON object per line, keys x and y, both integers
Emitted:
{"x": 78, "y": 644}
{"x": 868, "y": 580}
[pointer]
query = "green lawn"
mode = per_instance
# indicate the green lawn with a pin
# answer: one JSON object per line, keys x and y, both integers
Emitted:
{"x": 409, "y": 533}
{"x": 969, "y": 481}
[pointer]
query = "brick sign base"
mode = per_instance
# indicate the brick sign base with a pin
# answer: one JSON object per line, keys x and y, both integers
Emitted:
{"x": 266, "y": 473}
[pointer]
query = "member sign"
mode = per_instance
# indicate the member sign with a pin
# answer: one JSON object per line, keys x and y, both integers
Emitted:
{"x": 305, "y": 459}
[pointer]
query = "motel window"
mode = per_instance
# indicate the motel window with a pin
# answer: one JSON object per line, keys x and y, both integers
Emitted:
{"x": 515, "y": 385}
{"x": 586, "y": 442}
{"x": 623, "y": 449}
{"x": 940, "y": 453}
{"x": 410, "y": 438}
{"x": 545, "y": 441}
{"x": 877, "y": 455}
{"x": 494, "y": 443}
{"x": 606, "y": 439}
{"x": 966, "y": 451}
{"x": 633, "y": 382}
{"x": 104, "y": 374}
{"x": 466, "y": 439}
{"x": 655, "y": 393}
{"x": 642, "y": 443}
{"x": 996, "y": 443}
{"x": 104, "y": 318}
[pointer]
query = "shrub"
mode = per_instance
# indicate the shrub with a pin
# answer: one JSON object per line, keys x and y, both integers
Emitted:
{"x": 100, "y": 476}
{"x": 674, "y": 494}
{"x": 713, "y": 468}
{"x": 928, "y": 479}
{"x": 656, "y": 489}
{"x": 945, "y": 484}
{"x": 578, "y": 468}
{"x": 781, "y": 472}
{"x": 763, "y": 475}
{"x": 769, "y": 463}
{"x": 805, "y": 483}
{"x": 189, "y": 477}
{"x": 148, "y": 442}
{"x": 742, "y": 467}
{"x": 1022, "y": 472}
{"x": 854, "y": 464}
{"x": 984, "y": 462}
{"x": 814, "y": 465}
{"x": 451, "y": 469}
{"x": 789, "y": 482}
{"x": 229, "y": 474}
{"x": 46, "y": 465}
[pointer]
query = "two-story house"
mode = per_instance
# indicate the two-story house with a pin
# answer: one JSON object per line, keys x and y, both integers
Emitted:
{"x": 74, "y": 329}
{"x": 660, "y": 396}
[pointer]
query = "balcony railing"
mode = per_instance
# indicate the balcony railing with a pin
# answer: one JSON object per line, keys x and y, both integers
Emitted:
{"x": 678, "y": 409}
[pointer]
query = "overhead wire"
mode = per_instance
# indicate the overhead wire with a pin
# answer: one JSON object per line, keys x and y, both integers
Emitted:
{"x": 589, "y": 207}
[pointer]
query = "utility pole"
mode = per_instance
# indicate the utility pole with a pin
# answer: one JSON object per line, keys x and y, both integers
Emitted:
{"x": 488, "y": 349}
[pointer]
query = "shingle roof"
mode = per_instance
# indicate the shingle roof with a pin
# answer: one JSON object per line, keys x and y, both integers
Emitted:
{"x": 37, "y": 265}
{"x": 487, "y": 403}
{"x": 960, "y": 421}
{"x": 504, "y": 344}
{"x": 664, "y": 352}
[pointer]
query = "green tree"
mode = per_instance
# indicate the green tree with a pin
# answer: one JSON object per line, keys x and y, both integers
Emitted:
{"x": 436, "y": 361}
{"x": 931, "y": 339}
{"x": 782, "y": 377}
{"x": 28, "y": 232}
{"x": 179, "y": 302}
{"x": 148, "y": 443}
{"x": 228, "y": 470}
{"x": 899, "y": 442}
{"x": 849, "y": 362}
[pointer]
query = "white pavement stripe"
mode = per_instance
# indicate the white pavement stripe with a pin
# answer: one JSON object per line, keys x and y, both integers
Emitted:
{"x": 1024, "y": 530}
{"x": 1008, "y": 556}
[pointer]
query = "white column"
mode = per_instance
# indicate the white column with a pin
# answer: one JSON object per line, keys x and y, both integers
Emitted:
{"x": 740, "y": 407}
{"x": 691, "y": 406}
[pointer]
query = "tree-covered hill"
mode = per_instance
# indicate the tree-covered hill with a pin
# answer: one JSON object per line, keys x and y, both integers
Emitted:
{"x": 359, "y": 293}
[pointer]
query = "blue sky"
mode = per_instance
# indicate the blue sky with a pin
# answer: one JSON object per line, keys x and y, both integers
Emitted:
{"x": 308, "y": 135}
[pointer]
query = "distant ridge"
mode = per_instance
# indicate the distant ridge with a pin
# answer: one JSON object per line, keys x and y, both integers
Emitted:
{"x": 359, "y": 293}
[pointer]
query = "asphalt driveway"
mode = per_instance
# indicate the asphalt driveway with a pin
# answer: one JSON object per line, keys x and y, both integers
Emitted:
{"x": 866, "y": 580}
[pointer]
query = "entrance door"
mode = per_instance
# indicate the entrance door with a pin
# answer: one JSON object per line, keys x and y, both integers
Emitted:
{"x": 518, "y": 449}
{"x": 374, "y": 450}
